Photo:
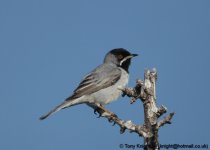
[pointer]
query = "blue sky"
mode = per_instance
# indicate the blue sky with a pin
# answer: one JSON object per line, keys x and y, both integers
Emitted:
{"x": 47, "y": 46}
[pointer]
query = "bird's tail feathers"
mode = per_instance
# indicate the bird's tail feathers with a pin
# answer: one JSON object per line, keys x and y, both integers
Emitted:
{"x": 63, "y": 105}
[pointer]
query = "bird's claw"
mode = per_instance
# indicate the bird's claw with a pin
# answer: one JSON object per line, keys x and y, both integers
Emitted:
{"x": 96, "y": 111}
{"x": 114, "y": 123}
{"x": 112, "y": 118}
{"x": 114, "y": 115}
{"x": 123, "y": 94}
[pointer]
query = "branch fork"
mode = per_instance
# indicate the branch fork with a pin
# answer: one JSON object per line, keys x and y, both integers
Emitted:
{"x": 144, "y": 90}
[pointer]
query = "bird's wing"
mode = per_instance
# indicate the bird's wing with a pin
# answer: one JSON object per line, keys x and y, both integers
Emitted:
{"x": 103, "y": 76}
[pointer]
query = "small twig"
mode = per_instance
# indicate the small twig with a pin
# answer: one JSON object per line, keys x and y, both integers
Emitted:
{"x": 134, "y": 93}
{"x": 161, "y": 111}
{"x": 130, "y": 92}
{"x": 166, "y": 120}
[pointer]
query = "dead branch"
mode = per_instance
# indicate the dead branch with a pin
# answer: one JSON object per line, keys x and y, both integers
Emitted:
{"x": 145, "y": 90}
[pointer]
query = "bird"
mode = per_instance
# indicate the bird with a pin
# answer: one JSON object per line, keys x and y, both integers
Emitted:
{"x": 102, "y": 85}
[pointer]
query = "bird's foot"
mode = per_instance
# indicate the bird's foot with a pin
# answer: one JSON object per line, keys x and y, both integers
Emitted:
{"x": 112, "y": 118}
{"x": 113, "y": 115}
{"x": 102, "y": 111}
{"x": 97, "y": 111}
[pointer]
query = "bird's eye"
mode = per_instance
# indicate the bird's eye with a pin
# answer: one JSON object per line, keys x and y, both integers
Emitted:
{"x": 120, "y": 57}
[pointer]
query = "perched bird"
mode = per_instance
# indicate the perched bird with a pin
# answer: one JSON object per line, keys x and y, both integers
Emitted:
{"x": 102, "y": 85}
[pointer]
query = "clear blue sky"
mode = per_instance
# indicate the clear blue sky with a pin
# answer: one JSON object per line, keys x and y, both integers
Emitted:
{"x": 47, "y": 46}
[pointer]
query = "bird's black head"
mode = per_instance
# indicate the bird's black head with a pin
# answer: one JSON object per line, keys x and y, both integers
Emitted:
{"x": 120, "y": 57}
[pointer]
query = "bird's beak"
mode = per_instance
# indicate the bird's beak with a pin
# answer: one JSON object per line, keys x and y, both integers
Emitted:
{"x": 128, "y": 57}
{"x": 134, "y": 55}
{"x": 131, "y": 56}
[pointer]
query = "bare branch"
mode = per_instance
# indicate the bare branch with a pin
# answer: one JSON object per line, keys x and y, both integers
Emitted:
{"x": 140, "y": 130}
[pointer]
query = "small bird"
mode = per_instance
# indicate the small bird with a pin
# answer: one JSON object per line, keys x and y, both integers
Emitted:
{"x": 102, "y": 85}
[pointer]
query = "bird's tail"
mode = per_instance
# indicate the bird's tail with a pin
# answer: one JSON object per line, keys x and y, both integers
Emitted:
{"x": 63, "y": 105}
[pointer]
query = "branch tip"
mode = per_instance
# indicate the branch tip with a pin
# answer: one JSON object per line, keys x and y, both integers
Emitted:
{"x": 166, "y": 120}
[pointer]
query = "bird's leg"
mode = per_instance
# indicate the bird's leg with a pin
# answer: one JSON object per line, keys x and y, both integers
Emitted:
{"x": 112, "y": 115}
{"x": 98, "y": 111}
{"x": 96, "y": 108}
{"x": 102, "y": 111}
